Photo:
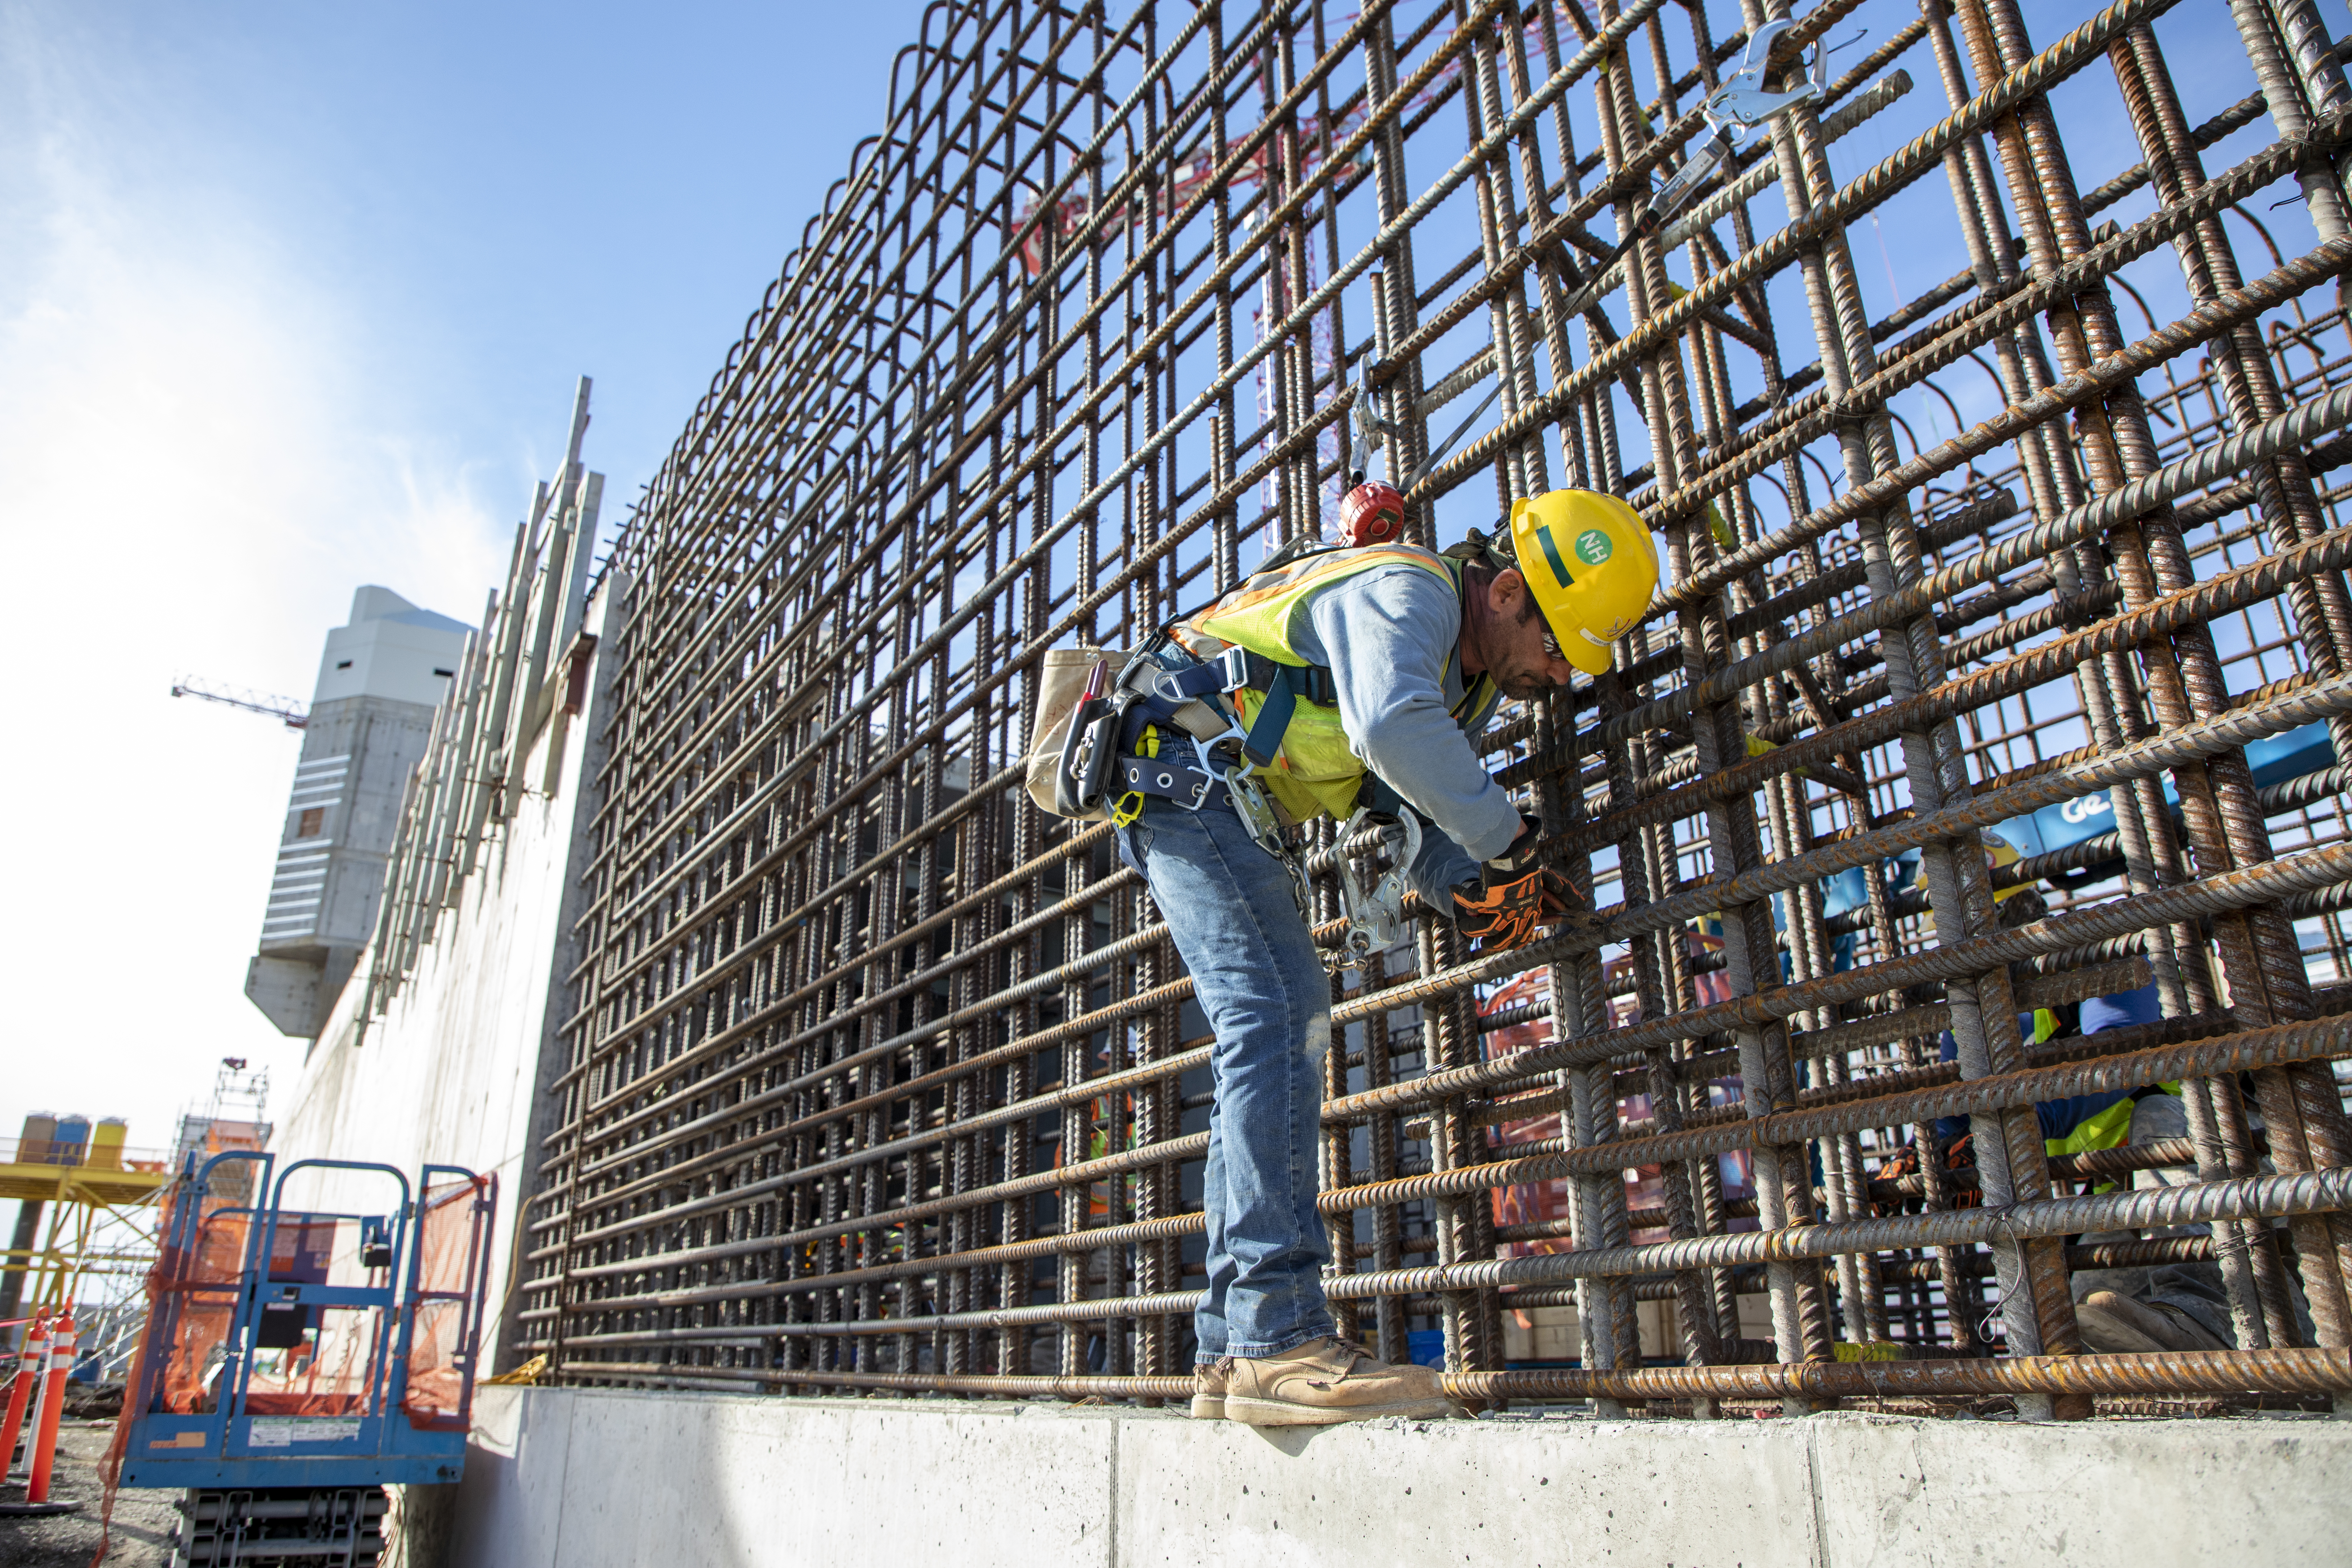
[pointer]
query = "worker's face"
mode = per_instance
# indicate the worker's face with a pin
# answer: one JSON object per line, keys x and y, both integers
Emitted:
{"x": 1523, "y": 658}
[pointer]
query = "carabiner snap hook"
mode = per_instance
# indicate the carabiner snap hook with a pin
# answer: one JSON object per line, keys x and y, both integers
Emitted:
{"x": 1741, "y": 103}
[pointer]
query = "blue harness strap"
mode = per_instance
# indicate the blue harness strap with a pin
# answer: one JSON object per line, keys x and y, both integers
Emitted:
{"x": 1264, "y": 736}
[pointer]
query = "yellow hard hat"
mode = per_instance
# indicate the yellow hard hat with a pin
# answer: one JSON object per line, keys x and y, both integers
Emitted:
{"x": 1591, "y": 566}
{"x": 1999, "y": 852}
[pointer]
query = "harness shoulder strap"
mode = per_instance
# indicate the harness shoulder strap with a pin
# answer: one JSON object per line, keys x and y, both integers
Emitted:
{"x": 1273, "y": 715}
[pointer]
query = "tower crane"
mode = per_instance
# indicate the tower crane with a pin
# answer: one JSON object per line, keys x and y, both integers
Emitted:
{"x": 293, "y": 713}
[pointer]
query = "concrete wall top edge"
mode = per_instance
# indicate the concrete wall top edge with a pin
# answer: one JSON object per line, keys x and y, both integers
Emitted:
{"x": 586, "y": 1477}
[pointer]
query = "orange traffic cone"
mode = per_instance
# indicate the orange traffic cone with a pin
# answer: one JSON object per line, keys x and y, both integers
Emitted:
{"x": 43, "y": 1453}
{"x": 32, "y": 1360}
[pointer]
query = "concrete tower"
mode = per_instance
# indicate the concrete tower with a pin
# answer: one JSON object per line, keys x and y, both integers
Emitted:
{"x": 379, "y": 681}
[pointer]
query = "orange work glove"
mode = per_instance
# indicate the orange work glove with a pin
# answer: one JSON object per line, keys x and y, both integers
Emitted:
{"x": 1514, "y": 899}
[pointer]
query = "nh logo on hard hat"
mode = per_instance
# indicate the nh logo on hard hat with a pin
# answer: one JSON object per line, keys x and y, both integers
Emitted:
{"x": 1592, "y": 547}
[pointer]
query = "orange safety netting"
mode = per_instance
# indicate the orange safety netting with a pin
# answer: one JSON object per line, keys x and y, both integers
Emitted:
{"x": 192, "y": 1301}
{"x": 448, "y": 1241}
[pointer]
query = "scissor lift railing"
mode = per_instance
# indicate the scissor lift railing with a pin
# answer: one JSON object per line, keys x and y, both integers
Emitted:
{"x": 296, "y": 1359}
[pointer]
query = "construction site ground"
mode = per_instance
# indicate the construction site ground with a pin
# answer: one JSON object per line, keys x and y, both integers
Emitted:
{"x": 141, "y": 1534}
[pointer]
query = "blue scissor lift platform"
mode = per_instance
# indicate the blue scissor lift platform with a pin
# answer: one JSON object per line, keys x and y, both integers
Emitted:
{"x": 298, "y": 1358}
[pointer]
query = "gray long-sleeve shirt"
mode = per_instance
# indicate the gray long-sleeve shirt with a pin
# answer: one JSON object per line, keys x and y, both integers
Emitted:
{"x": 1392, "y": 638}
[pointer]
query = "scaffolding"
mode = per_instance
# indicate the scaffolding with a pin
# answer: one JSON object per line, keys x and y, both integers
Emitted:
{"x": 880, "y": 1080}
{"x": 99, "y": 1201}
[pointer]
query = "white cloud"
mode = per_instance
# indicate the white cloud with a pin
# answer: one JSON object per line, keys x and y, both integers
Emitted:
{"x": 196, "y": 468}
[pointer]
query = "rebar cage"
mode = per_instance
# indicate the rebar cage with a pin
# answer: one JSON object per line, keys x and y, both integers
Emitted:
{"x": 878, "y": 1077}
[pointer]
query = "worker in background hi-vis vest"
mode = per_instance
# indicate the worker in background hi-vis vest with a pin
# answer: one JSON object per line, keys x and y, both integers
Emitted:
{"x": 1336, "y": 681}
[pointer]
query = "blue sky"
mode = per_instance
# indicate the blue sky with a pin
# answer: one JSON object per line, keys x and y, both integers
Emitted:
{"x": 292, "y": 298}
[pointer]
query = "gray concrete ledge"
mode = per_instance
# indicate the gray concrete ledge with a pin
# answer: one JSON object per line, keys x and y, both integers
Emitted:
{"x": 611, "y": 1478}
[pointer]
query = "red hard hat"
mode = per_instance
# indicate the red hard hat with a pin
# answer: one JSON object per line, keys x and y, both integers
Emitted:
{"x": 1371, "y": 514}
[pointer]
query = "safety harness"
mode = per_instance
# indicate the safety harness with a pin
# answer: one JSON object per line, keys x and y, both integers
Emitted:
{"x": 1167, "y": 688}
{"x": 1168, "y": 685}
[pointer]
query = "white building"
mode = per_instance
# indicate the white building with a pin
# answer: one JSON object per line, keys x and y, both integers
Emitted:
{"x": 380, "y": 680}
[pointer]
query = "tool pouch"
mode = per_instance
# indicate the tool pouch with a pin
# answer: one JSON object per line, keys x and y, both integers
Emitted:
{"x": 1061, "y": 684}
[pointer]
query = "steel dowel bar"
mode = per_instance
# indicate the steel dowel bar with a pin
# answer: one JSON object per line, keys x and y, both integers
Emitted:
{"x": 2207, "y": 1372}
{"x": 2296, "y": 427}
{"x": 1921, "y": 156}
{"x": 2210, "y": 1371}
{"x": 2198, "y": 327}
{"x": 1003, "y": 1386}
{"x": 2230, "y": 889}
{"x": 1488, "y": 147}
{"x": 2217, "y": 595}
{"x": 1091, "y": 1309}
{"x": 1169, "y": 1227}
{"x": 1079, "y": 1173}
{"x": 2272, "y": 1046}
{"x": 2198, "y": 1203}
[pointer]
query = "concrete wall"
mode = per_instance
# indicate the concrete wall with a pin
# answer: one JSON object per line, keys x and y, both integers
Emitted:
{"x": 591, "y": 1477}
{"x": 450, "y": 1073}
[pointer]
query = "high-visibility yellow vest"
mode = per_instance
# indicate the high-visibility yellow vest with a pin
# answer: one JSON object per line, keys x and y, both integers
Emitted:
{"x": 1317, "y": 769}
{"x": 2108, "y": 1129}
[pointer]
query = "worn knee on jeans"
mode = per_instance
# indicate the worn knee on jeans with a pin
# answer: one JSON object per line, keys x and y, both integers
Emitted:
{"x": 1319, "y": 1036}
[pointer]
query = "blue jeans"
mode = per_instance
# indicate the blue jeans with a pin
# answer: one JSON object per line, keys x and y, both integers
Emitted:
{"x": 1256, "y": 974}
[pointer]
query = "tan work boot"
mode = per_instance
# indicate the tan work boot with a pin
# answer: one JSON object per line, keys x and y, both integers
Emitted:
{"x": 2114, "y": 1322}
{"x": 1209, "y": 1389}
{"x": 1325, "y": 1382}
{"x": 2106, "y": 1332}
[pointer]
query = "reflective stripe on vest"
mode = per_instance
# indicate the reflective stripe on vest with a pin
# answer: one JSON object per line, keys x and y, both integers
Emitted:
{"x": 1316, "y": 771}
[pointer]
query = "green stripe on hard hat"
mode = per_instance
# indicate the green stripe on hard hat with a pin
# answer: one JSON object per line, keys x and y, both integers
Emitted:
{"x": 1552, "y": 553}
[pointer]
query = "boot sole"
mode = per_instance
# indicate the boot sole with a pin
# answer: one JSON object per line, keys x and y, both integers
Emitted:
{"x": 1281, "y": 1413}
{"x": 1208, "y": 1407}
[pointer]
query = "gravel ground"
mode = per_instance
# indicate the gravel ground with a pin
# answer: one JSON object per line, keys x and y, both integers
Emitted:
{"x": 141, "y": 1534}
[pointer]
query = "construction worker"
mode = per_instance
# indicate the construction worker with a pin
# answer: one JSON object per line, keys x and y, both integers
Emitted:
{"x": 1324, "y": 681}
{"x": 2174, "y": 1307}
